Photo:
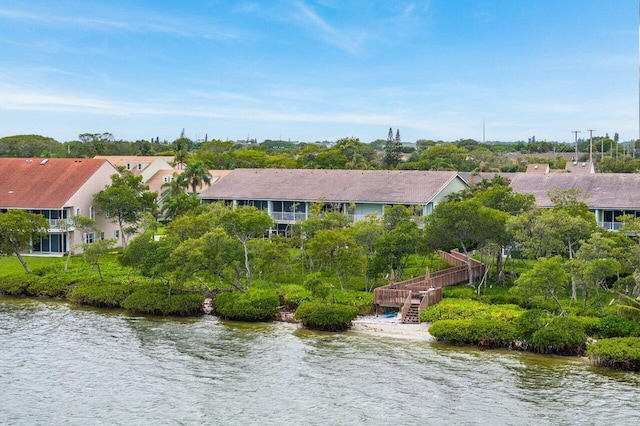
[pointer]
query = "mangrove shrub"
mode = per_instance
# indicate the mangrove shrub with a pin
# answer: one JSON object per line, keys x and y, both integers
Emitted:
{"x": 619, "y": 352}
{"x": 252, "y": 305}
{"x": 319, "y": 315}
{"x": 562, "y": 336}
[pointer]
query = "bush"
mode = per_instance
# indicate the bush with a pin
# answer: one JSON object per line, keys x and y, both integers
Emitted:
{"x": 590, "y": 324}
{"x": 101, "y": 295}
{"x": 253, "y": 305}
{"x": 363, "y": 301}
{"x": 462, "y": 309}
{"x": 458, "y": 292}
{"x": 326, "y": 317}
{"x": 292, "y": 295}
{"x": 49, "y": 285}
{"x": 618, "y": 352}
{"x": 615, "y": 326}
{"x": 530, "y": 322}
{"x": 149, "y": 301}
{"x": 562, "y": 336}
{"x": 16, "y": 285}
{"x": 484, "y": 333}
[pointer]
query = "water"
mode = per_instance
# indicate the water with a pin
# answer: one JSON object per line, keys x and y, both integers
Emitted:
{"x": 60, "y": 364}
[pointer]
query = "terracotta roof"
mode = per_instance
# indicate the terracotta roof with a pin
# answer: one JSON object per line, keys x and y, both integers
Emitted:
{"x": 122, "y": 160}
{"x": 375, "y": 186}
{"x": 43, "y": 183}
{"x": 602, "y": 190}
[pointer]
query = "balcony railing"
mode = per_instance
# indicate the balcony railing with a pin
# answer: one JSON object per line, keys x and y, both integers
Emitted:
{"x": 60, "y": 225}
{"x": 611, "y": 226}
{"x": 288, "y": 216}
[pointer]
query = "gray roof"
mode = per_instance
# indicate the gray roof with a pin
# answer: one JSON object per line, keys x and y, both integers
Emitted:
{"x": 602, "y": 190}
{"x": 371, "y": 186}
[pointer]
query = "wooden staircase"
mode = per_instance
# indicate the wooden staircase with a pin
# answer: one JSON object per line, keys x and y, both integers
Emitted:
{"x": 411, "y": 317}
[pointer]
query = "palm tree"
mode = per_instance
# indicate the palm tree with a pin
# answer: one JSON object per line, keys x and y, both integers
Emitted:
{"x": 175, "y": 186}
{"x": 197, "y": 174}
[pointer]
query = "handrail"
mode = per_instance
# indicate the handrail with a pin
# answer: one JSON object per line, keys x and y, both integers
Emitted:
{"x": 405, "y": 308}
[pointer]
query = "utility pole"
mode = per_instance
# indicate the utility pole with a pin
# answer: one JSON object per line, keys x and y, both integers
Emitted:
{"x": 575, "y": 132}
{"x": 591, "y": 145}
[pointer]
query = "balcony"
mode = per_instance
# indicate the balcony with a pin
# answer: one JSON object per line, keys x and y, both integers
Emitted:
{"x": 60, "y": 225}
{"x": 288, "y": 217}
{"x": 611, "y": 226}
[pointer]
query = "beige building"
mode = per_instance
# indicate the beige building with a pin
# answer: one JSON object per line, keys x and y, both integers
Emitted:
{"x": 58, "y": 189}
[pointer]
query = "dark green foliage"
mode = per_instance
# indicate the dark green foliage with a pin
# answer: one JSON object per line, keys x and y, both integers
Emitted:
{"x": 563, "y": 336}
{"x": 362, "y": 301}
{"x": 591, "y": 324}
{"x": 327, "y": 317}
{"x": 484, "y": 333}
{"x": 252, "y": 305}
{"x": 458, "y": 291}
{"x": 17, "y": 285}
{"x": 147, "y": 300}
{"x": 530, "y": 322}
{"x": 49, "y": 286}
{"x": 620, "y": 352}
{"x": 101, "y": 295}
{"x": 615, "y": 326}
{"x": 292, "y": 295}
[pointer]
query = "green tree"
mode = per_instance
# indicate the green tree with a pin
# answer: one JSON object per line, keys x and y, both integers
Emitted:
{"x": 18, "y": 229}
{"x": 124, "y": 202}
{"x": 93, "y": 252}
{"x": 465, "y": 224}
{"x": 244, "y": 223}
{"x": 547, "y": 278}
{"x": 196, "y": 174}
{"x": 392, "y": 150}
{"x": 336, "y": 250}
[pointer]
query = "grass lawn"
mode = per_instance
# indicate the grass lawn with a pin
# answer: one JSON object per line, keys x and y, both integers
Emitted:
{"x": 10, "y": 265}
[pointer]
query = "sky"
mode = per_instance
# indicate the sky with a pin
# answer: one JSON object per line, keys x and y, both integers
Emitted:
{"x": 314, "y": 70}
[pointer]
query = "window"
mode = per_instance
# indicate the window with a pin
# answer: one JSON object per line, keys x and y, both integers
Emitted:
{"x": 92, "y": 212}
{"x": 167, "y": 179}
{"x": 116, "y": 234}
{"x": 128, "y": 166}
{"x": 89, "y": 237}
{"x": 139, "y": 166}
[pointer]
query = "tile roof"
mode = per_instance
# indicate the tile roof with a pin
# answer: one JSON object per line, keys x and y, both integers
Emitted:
{"x": 375, "y": 186}
{"x": 601, "y": 190}
{"x": 43, "y": 183}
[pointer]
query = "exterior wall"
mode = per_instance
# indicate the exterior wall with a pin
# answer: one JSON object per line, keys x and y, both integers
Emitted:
{"x": 364, "y": 209}
{"x": 455, "y": 185}
{"x": 82, "y": 203}
{"x": 154, "y": 168}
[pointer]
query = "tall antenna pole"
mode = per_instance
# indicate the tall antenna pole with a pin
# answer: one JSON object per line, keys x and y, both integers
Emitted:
{"x": 575, "y": 132}
{"x": 591, "y": 145}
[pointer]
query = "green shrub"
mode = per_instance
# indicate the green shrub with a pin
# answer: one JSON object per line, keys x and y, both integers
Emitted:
{"x": 252, "y": 305}
{"x": 149, "y": 301}
{"x": 363, "y": 301}
{"x": 292, "y": 295}
{"x": 618, "y": 352}
{"x": 458, "y": 292}
{"x": 591, "y": 325}
{"x": 324, "y": 316}
{"x": 452, "y": 309}
{"x": 484, "y": 333}
{"x": 462, "y": 309}
{"x": 49, "y": 285}
{"x": 530, "y": 322}
{"x": 101, "y": 295}
{"x": 563, "y": 336}
{"x": 615, "y": 326}
{"x": 16, "y": 285}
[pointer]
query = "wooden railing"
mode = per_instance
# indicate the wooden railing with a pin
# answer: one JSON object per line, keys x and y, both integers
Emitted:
{"x": 429, "y": 286}
{"x": 406, "y": 306}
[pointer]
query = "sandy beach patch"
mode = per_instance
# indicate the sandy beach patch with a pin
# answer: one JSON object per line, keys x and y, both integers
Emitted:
{"x": 391, "y": 327}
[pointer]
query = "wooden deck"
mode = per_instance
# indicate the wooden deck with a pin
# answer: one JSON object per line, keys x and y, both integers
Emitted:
{"x": 416, "y": 294}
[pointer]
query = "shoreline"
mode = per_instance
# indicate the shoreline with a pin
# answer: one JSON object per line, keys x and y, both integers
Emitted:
{"x": 391, "y": 327}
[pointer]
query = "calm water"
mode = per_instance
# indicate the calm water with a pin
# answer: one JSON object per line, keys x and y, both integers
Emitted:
{"x": 60, "y": 364}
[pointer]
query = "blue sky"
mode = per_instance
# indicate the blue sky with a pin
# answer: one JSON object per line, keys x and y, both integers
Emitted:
{"x": 319, "y": 69}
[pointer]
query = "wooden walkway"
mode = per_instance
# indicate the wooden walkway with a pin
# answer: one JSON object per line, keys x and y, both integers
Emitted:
{"x": 414, "y": 295}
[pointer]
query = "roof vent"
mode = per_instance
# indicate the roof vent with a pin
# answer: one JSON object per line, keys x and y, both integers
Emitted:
{"x": 43, "y": 162}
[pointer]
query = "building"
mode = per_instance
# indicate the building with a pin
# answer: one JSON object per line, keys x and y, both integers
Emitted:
{"x": 608, "y": 195}
{"x": 288, "y": 194}
{"x": 58, "y": 189}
